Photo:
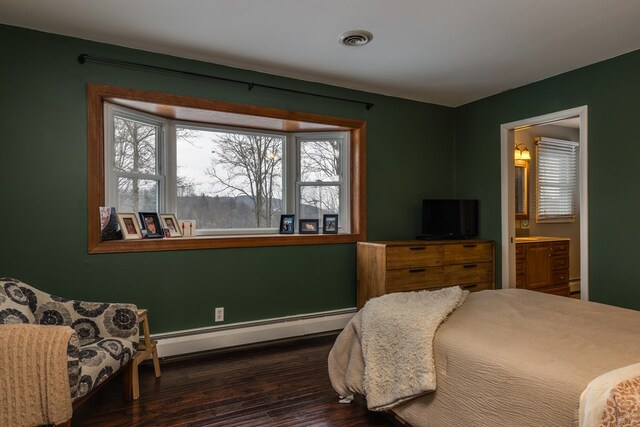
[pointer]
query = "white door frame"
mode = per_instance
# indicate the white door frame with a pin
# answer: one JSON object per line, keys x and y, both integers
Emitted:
{"x": 507, "y": 138}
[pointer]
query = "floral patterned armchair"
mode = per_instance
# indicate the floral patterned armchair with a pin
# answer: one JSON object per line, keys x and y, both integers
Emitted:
{"x": 103, "y": 340}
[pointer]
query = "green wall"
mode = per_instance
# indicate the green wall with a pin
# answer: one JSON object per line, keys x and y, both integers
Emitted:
{"x": 43, "y": 189}
{"x": 611, "y": 89}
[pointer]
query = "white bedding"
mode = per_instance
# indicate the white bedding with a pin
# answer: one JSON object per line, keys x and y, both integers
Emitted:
{"x": 508, "y": 358}
{"x": 612, "y": 399}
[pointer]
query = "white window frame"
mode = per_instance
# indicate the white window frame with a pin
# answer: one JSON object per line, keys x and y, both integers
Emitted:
{"x": 343, "y": 182}
{"x": 111, "y": 176}
{"x": 566, "y": 153}
{"x": 166, "y": 167}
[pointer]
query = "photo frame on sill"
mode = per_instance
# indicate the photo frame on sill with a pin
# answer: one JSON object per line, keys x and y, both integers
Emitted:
{"x": 129, "y": 226}
{"x": 109, "y": 229}
{"x": 150, "y": 222}
{"x": 187, "y": 227}
{"x": 170, "y": 223}
{"x": 287, "y": 224}
{"x": 330, "y": 224}
{"x": 309, "y": 226}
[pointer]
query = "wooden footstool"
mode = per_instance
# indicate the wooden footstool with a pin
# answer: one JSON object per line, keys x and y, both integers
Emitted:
{"x": 146, "y": 347}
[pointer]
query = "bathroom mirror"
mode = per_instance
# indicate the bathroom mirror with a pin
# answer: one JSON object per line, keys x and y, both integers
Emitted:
{"x": 522, "y": 189}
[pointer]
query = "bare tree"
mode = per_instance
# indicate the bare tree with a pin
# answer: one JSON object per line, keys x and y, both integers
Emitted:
{"x": 135, "y": 151}
{"x": 320, "y": 162}
{"x": 249, "y": 165}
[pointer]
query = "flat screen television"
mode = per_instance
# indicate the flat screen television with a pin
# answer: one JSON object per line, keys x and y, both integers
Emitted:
{"x": 449, "y": 219}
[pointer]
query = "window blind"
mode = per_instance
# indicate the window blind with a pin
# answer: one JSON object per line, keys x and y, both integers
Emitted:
{"x": 556, "y": 180}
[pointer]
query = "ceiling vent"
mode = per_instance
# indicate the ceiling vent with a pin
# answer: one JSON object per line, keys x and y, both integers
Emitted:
{"x": 355, "y": 38}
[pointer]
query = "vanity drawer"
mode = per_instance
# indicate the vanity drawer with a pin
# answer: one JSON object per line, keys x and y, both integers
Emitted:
{"x": 560, "y": 262}
{"x": 559, "y": 248}
{"x": 418, "y": 256}
{"x": 461, "y": 253}
{"x": 560, "y": 277}
{"x": 562, "y": 291}
{"x": 520, "y": 251}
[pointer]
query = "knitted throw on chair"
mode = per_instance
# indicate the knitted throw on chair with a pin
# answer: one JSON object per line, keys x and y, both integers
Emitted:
{"x": 34, "y": 377}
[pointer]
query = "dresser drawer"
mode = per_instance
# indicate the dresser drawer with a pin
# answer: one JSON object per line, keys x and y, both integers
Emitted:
{"x": 468, "y": 273}
{"x": 475, "y": 287}
{"x": 414, "y": 278}
{"x": 461, "y": 253}
{"x": 418, "y": 256}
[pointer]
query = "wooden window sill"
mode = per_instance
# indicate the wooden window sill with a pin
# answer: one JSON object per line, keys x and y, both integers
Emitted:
{"x": 216, "y": 242}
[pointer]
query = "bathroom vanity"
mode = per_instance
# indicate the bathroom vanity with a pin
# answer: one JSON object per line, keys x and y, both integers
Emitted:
{"x": 542, "y": 264}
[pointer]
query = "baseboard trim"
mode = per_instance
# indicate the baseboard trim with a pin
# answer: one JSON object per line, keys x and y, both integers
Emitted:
{"x": 243, "y": 333}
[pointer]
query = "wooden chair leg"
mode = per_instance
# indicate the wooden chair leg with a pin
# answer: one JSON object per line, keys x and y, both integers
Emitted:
{"x": 156, "y": 362}
{"x": 130, "y": 381}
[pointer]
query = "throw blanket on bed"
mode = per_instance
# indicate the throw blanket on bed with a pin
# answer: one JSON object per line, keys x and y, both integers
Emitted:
{"x": 34, "y": 378}
{"x": 397, "y": 343}
{"x": 612, "y": 399}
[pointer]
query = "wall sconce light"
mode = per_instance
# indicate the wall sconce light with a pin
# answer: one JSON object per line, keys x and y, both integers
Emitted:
{"x": 521, "y": 152}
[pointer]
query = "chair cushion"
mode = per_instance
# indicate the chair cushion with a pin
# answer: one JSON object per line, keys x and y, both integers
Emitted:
{"x": 14, "y": 304}
{"x": 100, "y": 358}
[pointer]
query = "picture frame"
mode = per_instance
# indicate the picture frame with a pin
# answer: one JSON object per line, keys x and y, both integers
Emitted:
{"x": 309, "y": 226}
{"x": 330, "y": 224}
{"x": 150, "y": 222}
{"x": 187, "y": 227}
{"x": 287, "y": 224}
{"x": 129, "y": 226}
{"x": 109, "y": 229}
{"x": 170, "y": 222}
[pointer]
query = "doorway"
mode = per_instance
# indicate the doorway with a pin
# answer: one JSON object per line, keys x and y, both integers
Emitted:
{"x": 508, "y": 208}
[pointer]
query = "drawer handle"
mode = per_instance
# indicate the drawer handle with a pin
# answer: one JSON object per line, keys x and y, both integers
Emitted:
{"x": 469, "y": 245}
{"x": 418, "y": 248}
{"x": 417, "y": 270}
{"x": 470, "y": 266}
{"x": 469, "y": 286}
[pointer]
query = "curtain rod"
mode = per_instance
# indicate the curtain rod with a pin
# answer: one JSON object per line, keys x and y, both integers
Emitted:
{"x": 83, "y": 58}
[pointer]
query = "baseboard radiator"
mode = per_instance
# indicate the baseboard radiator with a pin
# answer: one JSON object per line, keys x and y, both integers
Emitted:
{"x": 244, "y": 333}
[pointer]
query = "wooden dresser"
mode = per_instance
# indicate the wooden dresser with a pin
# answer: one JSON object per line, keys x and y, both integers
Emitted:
{"x": 410, "y": 265}
{"x": 542, "y": 264}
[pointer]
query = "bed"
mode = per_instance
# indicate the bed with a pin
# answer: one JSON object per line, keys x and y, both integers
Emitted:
{"x": 509, "y": 358}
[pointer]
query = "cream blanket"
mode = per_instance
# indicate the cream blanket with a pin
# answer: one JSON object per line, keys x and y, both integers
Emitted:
{"x": 397, "y": 343}
{"x": 34, "y": 378}
{"x": 612, "y": 399}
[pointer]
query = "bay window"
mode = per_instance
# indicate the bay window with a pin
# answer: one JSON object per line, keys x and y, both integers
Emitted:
{"x": 235, "y": 173}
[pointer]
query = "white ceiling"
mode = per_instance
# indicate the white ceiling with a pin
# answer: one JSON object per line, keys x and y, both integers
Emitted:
{"x": 448, "y": 52}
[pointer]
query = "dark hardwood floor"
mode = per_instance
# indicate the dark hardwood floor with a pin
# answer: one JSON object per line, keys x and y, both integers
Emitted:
{"x": 284, "y": 384}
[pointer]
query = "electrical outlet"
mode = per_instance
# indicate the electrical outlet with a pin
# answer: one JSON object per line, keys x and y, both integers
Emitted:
{"x": 219, "y": 314}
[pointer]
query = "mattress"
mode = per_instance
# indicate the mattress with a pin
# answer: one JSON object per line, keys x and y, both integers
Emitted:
{"x": 508, "y": 357}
